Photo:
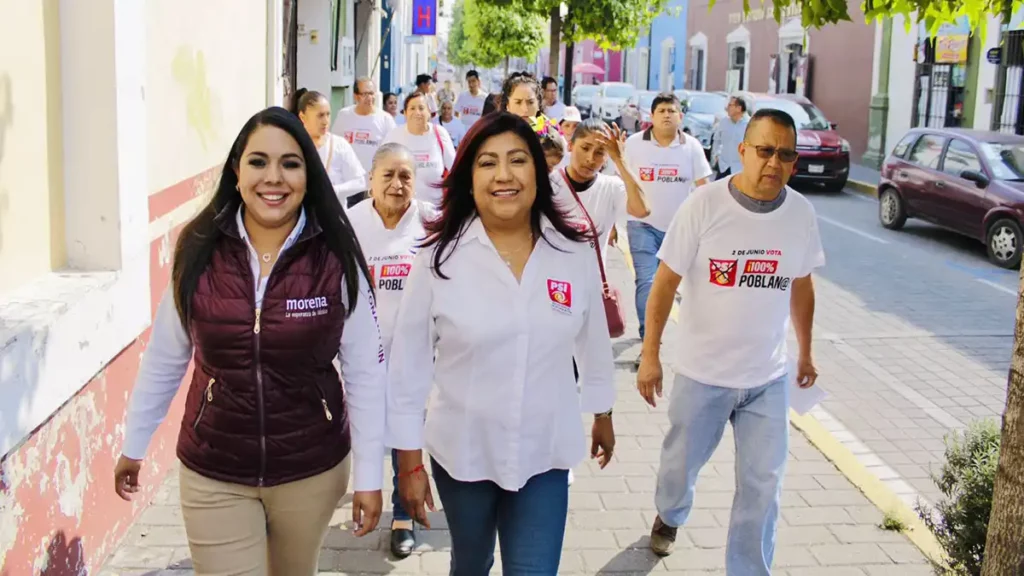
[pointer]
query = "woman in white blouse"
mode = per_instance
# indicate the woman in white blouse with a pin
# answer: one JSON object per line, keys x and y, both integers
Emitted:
{"x": 503, "y": 295}
{"x": 343, "y": 167}
{"x": 431, "y": 147}
{"x": 389, "y": 226}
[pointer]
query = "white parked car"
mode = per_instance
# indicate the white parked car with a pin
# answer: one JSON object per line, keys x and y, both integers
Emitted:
{"x": 611, "y": 97}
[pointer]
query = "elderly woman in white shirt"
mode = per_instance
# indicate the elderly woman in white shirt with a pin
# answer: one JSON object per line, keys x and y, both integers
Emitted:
{"x": 503, "y": 295}
{"x": 343, "y": 167}
{"x": 431, "y": 147}
{"x": 389, "y": 226}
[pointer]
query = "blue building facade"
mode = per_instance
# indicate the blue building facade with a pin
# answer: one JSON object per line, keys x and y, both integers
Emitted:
{"x": 667, "y": 48}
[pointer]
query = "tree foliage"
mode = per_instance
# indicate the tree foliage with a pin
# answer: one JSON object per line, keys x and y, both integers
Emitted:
{"x": 457, "y": 55}
{"x": 495, "y": 32}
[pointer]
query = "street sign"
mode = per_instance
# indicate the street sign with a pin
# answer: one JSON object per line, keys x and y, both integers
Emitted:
{"x": 994, "y": 55}
{"x": 424, "y": 17}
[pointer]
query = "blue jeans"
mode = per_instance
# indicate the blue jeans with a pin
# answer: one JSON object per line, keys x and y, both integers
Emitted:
{"x": 644, "y": 242}
{"x": 698, "y": 414}
{"x": 529, "y": 524}
{"x": 397, "y": 512}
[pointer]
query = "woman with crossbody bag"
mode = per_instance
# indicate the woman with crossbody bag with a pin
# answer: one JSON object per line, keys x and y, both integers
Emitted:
{"x": 431, "y": 146}
{"x": 347, "y": 175}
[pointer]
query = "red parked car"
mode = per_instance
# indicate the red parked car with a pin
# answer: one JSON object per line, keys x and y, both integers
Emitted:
{"x": 824, "y": 154}
{"x": 968, "y": 181}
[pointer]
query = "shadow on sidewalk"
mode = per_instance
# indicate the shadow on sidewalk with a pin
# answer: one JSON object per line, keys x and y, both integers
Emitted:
{"x": 637, "y": 559}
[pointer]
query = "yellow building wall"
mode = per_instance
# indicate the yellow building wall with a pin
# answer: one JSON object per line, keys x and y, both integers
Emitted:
{"x": 31, "y": 197}
{"x": 206, "y": 74}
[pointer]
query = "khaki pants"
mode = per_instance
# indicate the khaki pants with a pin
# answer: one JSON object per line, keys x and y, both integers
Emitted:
{"x": 236, "y": 530}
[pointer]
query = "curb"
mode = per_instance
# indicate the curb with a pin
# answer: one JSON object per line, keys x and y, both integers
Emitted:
{"x": 870, "y": 485}
{"x": 863, "y": 188}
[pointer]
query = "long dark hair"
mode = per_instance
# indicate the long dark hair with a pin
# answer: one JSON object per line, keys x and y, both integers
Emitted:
{"x": 458, "y": 207}
{"x": 200, "y": 237}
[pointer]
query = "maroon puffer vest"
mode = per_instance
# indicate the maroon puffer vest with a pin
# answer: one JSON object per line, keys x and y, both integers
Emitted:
{"x": 266, "y": 405}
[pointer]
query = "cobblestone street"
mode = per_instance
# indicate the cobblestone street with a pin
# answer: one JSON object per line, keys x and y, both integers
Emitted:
{"x": 828, "y": 527}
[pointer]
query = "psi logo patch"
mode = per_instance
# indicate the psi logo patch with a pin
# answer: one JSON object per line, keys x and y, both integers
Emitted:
{"x": 722, "y": 272}
{"x": 560, "y": 294}
{"x": 647, "y": 174}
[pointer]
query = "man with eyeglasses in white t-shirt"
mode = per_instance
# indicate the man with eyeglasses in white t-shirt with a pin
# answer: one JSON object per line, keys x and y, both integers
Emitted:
{"x": 744, "y": 248}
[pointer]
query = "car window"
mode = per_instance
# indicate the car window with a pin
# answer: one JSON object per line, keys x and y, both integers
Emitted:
{"x": 1006, "y": 159}
{"x": 708, "y": 104}
{"x": 646, "y": 100}
{"x": 901, "y": 149}
{"x": 960, "y": 156}
{"x": 807, "y": 116}
{"x": 927, "y": 151}
{"x": 618, "y": 91}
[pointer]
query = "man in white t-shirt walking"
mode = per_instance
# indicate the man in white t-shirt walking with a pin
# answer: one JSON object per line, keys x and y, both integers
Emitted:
{"x": 469, "y": 106}
{"x": 669, "y": 164}
{"x": 364, "y": 127}
{"x": 553, "y": 108}
{"x": 744, "y": 248}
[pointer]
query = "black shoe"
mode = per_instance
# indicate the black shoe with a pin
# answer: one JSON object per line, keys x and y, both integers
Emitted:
{"x": 403, "y": 541}
{"x": 663, "y": 537}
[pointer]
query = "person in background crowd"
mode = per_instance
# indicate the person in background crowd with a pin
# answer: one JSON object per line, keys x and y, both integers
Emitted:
{"x": 446, "y": 119}
{"x": 554, "y": 150}
{"x": 553, "y": 108}
{"x": 388, "y": 228}
{"x": 431, "y": 147}
{"x": 363, "y": 127}
{"x": 446, "y": 94}
{"x": 469, "y": 106}
{"x": 570, "y": 120}
{"x": 521, "y": 95}
{"x": 491, "y": 104}
{"x": 728, "y": 137}
{"x": 669, "y": 164}
{"x": 606, "y": 199}
{"x": 343, "y": 167}
{"x": 730, "y": 356}
{"x": 425, "y": 86}
{"x": 502, "y": 296}
{"x": 391, "y": 104}
{"x": 267, "y": 428}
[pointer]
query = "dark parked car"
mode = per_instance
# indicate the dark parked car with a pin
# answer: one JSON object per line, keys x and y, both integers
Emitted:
{"x": 968, "y": 181}
{"x": 583, "y": 97}
{"x": 824, "y": 154}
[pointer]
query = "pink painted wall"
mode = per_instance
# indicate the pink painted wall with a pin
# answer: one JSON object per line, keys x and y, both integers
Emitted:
{"x": 77, "y": 448}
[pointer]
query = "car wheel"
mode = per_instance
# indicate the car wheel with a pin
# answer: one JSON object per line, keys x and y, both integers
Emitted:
{"x": 891, "y": 211}
{"x": 1004, "y": 241}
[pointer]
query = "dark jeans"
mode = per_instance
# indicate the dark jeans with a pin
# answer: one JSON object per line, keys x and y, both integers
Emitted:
{"x": 398, "y": 512}
{"x": 719, "y": 174}
{"x": 529, "y": 524}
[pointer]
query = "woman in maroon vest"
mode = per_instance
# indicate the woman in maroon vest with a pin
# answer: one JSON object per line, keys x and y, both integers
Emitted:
{"x": 269, "y": 286}
{"x": 501, "y": 297}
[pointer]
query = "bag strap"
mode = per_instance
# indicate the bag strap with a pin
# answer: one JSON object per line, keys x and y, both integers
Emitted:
{"x": 330, "y": 151}
{"x": 440, "y": 146}
{"x": 593, "y": 228}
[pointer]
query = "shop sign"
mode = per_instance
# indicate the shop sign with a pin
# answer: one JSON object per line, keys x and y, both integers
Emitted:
{"x": 951, "y": 49}
{"x": 994, "y": 55}
{"x": 762, "y": 13}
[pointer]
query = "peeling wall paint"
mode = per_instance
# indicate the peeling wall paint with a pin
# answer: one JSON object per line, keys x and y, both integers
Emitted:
{"x": 59, "y": 515}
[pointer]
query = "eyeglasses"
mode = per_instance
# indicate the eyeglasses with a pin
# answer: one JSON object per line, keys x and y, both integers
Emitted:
{"x": 786, "y": 155}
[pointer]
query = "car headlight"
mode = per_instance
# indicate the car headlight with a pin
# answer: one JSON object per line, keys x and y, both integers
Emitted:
{"x": 845, "y": 146}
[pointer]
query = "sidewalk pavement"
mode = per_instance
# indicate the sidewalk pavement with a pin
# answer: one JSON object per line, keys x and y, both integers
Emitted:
{"x": 827, "y": 527}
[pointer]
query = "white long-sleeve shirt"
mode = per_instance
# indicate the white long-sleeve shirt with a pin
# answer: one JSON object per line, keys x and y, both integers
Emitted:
{"x": 169, "y": 352}
{"x": 343, "y": 166}
{"x": 506, "y": 406}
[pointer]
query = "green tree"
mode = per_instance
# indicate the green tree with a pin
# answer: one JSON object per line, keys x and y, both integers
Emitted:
{"x": 496, "y": 33}
{"x": 457, "y": 55}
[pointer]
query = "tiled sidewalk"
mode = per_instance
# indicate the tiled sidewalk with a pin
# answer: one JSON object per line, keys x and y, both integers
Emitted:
{"x": 827, "y": 528}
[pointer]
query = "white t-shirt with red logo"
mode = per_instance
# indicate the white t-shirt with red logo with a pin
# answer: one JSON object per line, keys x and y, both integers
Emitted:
{"x": 605, "y": 201}
{"x": 738, "y": 269}
{"x": 666, "y": 174}
{"x": 364, "y": 133}
{"x": 389, "y": 255}
{"x": 430, "y": 159}
{"x": 470, "y": 107}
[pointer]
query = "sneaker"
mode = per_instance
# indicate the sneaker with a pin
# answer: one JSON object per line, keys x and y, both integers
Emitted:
{"x": 570, "y": 477}
{"x": 636, "y": 363}
{"x": 663, "y": 537}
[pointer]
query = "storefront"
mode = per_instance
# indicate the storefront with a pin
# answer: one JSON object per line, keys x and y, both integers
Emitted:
{"x": 729, "y": 50}
{"x": 940, "y": 79}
